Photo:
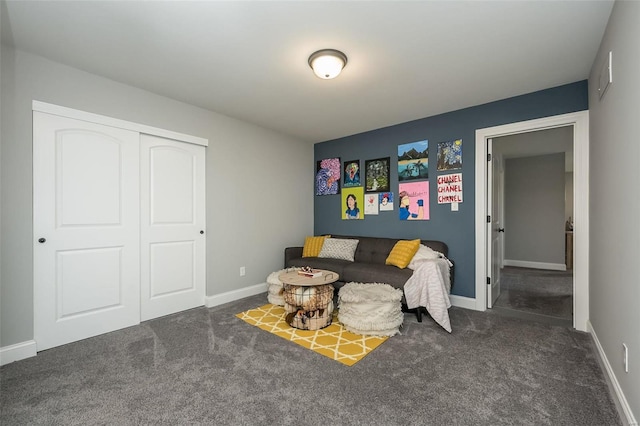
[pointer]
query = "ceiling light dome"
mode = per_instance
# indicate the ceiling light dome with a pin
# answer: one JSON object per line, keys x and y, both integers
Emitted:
{"x": 327, "y": 63}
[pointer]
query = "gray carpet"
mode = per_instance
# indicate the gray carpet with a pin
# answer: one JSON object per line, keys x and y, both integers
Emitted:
{"x": 537, "y": 291}
{"x": 205, "y": 366}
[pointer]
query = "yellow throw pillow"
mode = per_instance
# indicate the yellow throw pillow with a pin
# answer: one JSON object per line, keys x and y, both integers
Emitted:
{"x": 402, "y": 253}
{"x": 312, "y": 246}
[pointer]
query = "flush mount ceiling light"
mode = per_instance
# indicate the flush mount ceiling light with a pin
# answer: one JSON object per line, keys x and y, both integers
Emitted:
{"x": 327, "y": 63}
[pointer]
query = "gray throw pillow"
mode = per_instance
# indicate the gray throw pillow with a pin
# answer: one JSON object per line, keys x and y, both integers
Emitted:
{"x": 337, "y": 248}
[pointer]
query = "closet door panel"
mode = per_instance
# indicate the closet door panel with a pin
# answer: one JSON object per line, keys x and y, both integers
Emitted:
{"x": 86, "y": 229}
{"x": 172, "y": 268}
{"x": 88, "y": 170}
{"x": 172, "y": 185}
{"x": 172, "y": 218}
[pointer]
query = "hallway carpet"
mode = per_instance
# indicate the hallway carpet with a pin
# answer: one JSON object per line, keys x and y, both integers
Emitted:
{"x": 537, "y": 291}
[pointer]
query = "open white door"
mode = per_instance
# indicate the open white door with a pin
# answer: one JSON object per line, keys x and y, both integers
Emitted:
{"x": 494, "y": 226}
{"x": 86, "y": 228}
{"x": 172, "y": 226}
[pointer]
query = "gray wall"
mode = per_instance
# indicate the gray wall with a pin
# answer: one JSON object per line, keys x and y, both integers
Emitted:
{"x": 457, "y": 229}
{"x": 249, "y": 215}
{"x": 614, "y": 179}
{"x": 534, "y": 209}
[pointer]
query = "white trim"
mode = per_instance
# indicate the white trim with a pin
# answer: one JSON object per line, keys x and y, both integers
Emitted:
{"x": 535, "y": 265}
{"x": 115, "y": 122}
{"x": 230, "y": 296}
{"x": 580, "y": 122}
{"x": 12, "y": 353}
{"x": 462, "y": 302}
{"x": 620, "y": 400}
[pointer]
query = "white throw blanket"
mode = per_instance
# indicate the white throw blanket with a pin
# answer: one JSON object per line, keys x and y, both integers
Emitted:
{"x": 429, "y": 286}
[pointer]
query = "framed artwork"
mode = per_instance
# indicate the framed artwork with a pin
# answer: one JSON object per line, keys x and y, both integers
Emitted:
{"x": 352, "y": 203}
{"x": 371, "y": 203}
{"x": 351, "y": 173}
{"x": 386, "y": 201}
{"x": 413, "y": 200}
{"x": 328, "y": 176}
{"x": 413, "y": 161}
{"x": 450, "y": 188}
{"x": 450, "y": 155}
{"x": 377, "y": 174}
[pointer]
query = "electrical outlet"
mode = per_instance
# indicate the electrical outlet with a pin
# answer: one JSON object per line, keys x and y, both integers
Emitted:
{"x": 242, "y": 271}
{"x": 625, "y": 358}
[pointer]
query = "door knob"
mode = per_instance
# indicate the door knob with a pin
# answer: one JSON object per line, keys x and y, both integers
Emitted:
{"x": 41, "y": 240}
{"x": 202, "y": 232}
{"x": 500, "y": 229}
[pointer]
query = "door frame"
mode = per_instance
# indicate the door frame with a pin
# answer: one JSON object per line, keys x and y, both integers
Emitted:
{"x": 580, "y": 123}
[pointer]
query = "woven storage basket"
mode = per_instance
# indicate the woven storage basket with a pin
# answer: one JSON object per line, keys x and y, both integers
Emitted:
{"x": 308, "y": 298}
{"x": 309, "y": 320}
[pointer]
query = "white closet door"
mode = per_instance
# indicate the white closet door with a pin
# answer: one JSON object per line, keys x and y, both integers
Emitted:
{"x": 172, "y": 226}
{"x": 86, "y": 229}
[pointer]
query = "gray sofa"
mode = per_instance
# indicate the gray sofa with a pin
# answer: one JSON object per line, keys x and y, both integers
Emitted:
{"x": 368, "y": 265}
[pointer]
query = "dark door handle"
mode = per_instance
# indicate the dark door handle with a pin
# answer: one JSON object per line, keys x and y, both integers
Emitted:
{"x": 500, "y": 229}
{"x": 202, "y": 232}
{"x": 41, "y": 240}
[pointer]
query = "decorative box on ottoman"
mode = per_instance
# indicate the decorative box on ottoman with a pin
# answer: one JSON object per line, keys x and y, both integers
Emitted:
{"x": 370, "y": 309}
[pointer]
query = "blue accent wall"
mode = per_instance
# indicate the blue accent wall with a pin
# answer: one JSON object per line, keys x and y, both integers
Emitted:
{"x": 456, "y": 229}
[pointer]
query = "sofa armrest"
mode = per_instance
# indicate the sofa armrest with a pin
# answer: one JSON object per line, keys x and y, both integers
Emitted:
{"x": 291, "y": 253}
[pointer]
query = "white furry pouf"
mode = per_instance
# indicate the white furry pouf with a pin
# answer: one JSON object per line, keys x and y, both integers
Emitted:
{"x": 370, "y": 308}
{"x": 275, "y": 288}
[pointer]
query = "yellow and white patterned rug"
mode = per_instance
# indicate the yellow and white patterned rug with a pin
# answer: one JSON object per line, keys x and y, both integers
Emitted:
{"x": 333, "y": 341}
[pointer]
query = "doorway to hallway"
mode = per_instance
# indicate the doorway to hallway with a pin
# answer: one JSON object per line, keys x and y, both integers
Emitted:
{"x": 532, "y": 211}
{"x": 579, "y": 123}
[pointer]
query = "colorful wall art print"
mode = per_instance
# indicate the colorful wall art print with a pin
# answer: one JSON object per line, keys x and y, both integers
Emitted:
{"x": 370, "y": 203}
{"x": 351, "y": 173}
{"x": 450, "y": 188}
{"x": 377, "y": 174}
{"x": 352, "y": 203}
{"x": 413, "y": 161}
{"x": 413, "y": 201}
{"x": 386, "y": 201}
{"x": 450, "y": 155}
{"x": 328, "y": 176}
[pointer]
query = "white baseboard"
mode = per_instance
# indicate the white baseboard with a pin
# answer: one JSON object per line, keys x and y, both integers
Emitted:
{"x": 620, "y": 400}
{"x": 536, "y": 265}
{"x": 230, "y": 296}
{"x": 9, "y": 354}
{"x": 463, "y": 302}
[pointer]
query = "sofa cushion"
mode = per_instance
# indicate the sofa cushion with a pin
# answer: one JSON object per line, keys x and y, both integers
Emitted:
{"x": 402, "y": 253}
{"x": 374, "y": 250}
{"x": 337, "y": 248}
{"x": 312, "y": 246}
{"x": 375, "y": 273}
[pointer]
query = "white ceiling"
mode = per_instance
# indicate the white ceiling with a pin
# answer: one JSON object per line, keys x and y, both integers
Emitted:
{"x": 248, "y": 59}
